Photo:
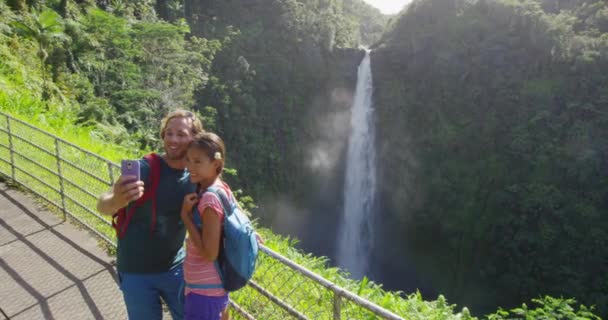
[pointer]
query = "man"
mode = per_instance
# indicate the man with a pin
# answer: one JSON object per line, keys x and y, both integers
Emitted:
{"x": 150, "y": 255}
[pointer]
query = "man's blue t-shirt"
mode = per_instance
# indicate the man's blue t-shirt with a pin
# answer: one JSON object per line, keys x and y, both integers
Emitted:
{"x": 142, "y": 251}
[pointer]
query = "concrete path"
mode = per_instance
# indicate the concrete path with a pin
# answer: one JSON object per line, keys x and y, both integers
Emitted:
{"x": 49, "y": 269}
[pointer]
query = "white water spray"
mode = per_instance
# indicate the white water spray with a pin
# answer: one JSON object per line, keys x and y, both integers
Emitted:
{"x": 355, "y": 238}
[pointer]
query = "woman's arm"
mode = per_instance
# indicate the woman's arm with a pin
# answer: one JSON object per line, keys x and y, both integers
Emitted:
{"x": 207, "y": 240}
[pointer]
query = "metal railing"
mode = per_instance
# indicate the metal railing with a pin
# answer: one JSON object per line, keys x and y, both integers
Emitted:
{"x": 71, "y": 179}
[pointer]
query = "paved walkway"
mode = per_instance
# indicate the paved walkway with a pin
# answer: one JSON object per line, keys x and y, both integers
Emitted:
{"x": 49, "y": 269}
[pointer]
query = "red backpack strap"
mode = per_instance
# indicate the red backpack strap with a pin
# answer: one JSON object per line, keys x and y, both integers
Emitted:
{"x": 121, "y": 219}
{"x": 118, "y": 220}
{"x": 153, "y": 160}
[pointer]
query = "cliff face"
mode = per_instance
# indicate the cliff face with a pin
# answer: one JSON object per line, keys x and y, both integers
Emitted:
{"x": 322, "y": 171}
{"x": 282, "y": 90}
{"x": 311, "y": 204}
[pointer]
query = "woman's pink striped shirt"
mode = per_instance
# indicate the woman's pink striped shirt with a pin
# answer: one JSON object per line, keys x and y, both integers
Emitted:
{"x": 198, "y": 270}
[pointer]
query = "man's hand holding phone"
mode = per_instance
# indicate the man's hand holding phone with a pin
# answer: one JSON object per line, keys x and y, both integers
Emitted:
{"x": 129, "y": 186}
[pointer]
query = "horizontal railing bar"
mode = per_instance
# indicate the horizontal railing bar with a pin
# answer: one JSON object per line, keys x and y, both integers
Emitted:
{"x": 88, "y": 193}
{"x": 28, "y": 142}
{"x": 240, "y": 310}
{"x": 277, "y": 301}
{"x": 59, "y": 191}
{"x": 37, "y": 179}
{"x": 85, "y": 224}
{"x": 331, "y": 286}
{"x": 23, "y": 156}
{"x": 54, "y": 136}
{"x": 37, "y": 193}
{"x": 99, "y": 234}
{"x": 102, "y": 219}
{"x": 103, "y": 236}
{"x": 84, "y": 171}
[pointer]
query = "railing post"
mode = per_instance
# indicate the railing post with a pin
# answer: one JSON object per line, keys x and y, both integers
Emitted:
{"x": 337, "y": 306}
{"x": 62, "y": 190}
{"x": 110, "y": 173}
{"x": 10, "y": 145}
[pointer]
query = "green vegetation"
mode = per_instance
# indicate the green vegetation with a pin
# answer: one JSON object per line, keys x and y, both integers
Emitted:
{"x": 491, "y": 115}
{"x": 372, "y": 23}
{"x": 493, "y": 120}
{"x": 547, "y": 308}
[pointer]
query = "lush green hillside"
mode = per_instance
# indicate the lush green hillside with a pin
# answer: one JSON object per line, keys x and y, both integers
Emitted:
{"x": 492, "y": 133}
{"x": 117, "y": 74}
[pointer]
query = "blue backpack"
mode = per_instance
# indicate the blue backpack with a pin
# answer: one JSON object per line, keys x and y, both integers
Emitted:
{"x": 238, "y": 246}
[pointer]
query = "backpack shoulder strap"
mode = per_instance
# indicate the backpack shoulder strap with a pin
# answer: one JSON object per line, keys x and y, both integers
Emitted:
{"x": 196, "y": 214}
{"x": 153, "y": 160}
{"x": 227, "y": 205}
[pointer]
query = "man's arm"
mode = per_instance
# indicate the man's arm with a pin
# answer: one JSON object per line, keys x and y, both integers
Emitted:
{"x": 121, "y": 194}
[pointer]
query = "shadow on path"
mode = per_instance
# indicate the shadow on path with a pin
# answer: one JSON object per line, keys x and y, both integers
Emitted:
{"x": 79, "y": 283}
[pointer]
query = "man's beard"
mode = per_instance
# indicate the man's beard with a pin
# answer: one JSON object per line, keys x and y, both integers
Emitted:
{"x": 175, "y": 155}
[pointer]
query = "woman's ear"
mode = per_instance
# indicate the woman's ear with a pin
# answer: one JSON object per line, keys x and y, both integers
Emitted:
{"x": 217, "y": 164}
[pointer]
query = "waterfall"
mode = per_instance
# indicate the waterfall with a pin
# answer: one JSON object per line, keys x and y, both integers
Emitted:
{"x": 356, "y": 233}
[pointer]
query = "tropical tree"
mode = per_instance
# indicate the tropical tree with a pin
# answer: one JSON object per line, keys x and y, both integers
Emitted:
{"x": 46, "y": 29}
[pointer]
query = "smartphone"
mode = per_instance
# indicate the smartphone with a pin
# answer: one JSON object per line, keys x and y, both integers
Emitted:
{"x": 131, "y": 168}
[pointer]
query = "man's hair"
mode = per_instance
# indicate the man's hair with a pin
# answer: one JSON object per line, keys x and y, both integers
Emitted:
{"x": 197, "y": 125}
